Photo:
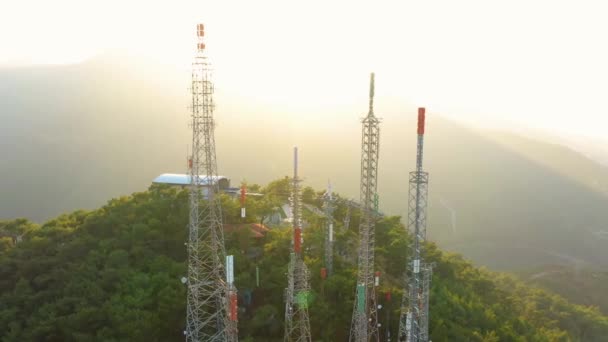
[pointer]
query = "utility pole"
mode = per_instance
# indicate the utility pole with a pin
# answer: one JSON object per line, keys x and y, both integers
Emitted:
{"x": 208, "y": 313}
{"x": 364, "y": 326}
{"x": 328, "y": 206}
{"x": 413, "y": 322}
{"x": 297, "y": 322}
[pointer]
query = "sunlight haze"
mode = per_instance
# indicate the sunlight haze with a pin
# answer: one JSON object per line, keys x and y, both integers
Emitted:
{"x": 537, "y": 65}
{"x": 321, "y": 170}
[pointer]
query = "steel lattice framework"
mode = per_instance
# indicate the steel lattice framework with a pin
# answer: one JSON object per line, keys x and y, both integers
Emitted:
{"x": 364, "y": 326}
{"x": 413, "y": 322}
{"x": 208, "y": 317}
{"x": 297, "y": 322}
{"x": 347, "y": 217}
{"x": 328, "y": 207}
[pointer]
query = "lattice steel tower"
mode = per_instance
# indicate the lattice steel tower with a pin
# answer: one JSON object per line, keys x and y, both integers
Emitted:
{"x": 297, "y": 323}
{"x": 347, "y": 217}
{"x": 328, "y": 207}
{"x": 364, "y": 325}
{"x": 208, "y": 315}
{"x": 413, "y": 323}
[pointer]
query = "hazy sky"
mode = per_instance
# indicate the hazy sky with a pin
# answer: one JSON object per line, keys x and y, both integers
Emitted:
{"x": 536, "y": 64}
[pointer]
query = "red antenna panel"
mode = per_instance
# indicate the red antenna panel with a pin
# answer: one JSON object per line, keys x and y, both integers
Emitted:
{"x": 421, "y": 117}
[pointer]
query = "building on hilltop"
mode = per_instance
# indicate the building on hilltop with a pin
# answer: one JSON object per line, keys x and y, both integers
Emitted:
{"x": 184, "y": 180}
{"x": 256, "y": 230}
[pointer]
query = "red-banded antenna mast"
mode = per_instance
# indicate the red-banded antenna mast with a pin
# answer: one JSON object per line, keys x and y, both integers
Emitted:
{"x": 297, "y": 322}
{"x": 414, "y": 320}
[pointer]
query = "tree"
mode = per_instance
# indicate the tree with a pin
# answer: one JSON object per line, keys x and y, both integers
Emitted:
{"x": 112, "y": 274}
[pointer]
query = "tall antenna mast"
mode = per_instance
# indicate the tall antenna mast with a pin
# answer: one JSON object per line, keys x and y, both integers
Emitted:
{"x": 413, "y": 323}
{"x": 364, "y": 325}
{"x": 328, "y": 207}
{"x": 243, "y": 199}
{"x": 297, "y": 322}
{"x": 208, "y": 316}
{"x": 347, "y": 216}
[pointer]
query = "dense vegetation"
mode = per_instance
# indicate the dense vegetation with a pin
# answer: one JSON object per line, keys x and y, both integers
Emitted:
{"x": 112, "y": 274}
{"x": 578, "y": 285}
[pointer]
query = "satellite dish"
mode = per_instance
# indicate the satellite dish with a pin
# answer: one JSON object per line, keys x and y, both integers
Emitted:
{"x": 184, "y": 280}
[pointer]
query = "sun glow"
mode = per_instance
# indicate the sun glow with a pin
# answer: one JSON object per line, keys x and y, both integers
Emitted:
{"x": 533, "y": 64}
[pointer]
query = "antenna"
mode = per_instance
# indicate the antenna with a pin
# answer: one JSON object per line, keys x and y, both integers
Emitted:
{"x": 232, "y": 293}
{"x": 297, "y": 322}
{"x": 188, "y": 158}
{"x": 328, "y": 206}
{"x": 347, "y": 215}
{"x": 208, "y": 315}
{"x": 413, "y": 322}
{"x": 243, "y": 198}
{"x": 364, "y": 326}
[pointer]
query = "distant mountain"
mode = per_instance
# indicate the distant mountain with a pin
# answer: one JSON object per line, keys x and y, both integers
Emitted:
{"x": 519, "y": 202}
{"x": 594, "y": 149}
{"x": 73, "y": 136}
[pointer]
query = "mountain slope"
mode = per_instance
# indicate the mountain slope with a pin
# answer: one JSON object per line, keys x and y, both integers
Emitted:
{"x": 581, "y": 286}
{"x": 73, "y": 136}
{"x": 113, "y": 274}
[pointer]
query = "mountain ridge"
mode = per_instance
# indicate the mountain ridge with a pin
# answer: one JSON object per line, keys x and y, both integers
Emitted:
{"x": 502, "y": 199}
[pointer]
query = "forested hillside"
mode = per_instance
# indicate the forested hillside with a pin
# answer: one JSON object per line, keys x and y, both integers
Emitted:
{"x": 112, "y": 274}
{"x": 578, "y": 285}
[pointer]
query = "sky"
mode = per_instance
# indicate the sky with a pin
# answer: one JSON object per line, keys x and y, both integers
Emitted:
{"x": 533, "y": 65}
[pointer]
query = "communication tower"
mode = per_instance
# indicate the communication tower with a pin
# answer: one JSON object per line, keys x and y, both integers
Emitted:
{"x": 413, "y": 322}
{"x": 297, "y": 323}
{"x": 208, "y": 312}
{"x": 364, "y": 326}
{"x": 347, "y": 217}
{"x": 328, "y": 206}
{"x": 243, "y": 199}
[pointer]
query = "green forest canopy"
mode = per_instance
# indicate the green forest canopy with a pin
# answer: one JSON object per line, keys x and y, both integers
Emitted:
{"x": 113, "y": 274}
